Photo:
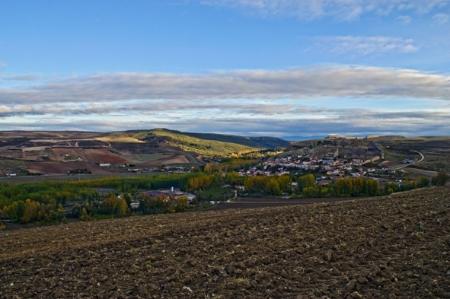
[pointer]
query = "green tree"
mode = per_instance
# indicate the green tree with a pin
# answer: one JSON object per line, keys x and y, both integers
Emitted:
{"x": 423, "y": 182}
{"x": 272, "y": 186}
{"x": 440, "y": 179}
{"x": 305, "y": 181}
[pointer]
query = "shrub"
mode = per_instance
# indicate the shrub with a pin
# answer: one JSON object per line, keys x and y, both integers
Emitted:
{"x": 423, "y": 182}
{"x": 114, "y": 205}
{"x": 15, "y": 210}
{"x": 31, "y": 211}
{"x": 440, "y": 179}
{"x": 153, "y": 204}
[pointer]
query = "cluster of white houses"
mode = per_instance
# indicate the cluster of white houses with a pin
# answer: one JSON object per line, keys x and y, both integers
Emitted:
{"x": 328, "y": 163}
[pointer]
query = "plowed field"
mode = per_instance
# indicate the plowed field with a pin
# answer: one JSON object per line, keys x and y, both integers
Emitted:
{"x": 397, "y": 246}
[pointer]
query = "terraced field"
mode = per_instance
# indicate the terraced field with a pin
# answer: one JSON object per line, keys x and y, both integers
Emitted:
{"x": 397, "y": 246}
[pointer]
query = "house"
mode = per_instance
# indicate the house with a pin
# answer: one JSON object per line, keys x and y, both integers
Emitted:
{"x": 134, "y": 205}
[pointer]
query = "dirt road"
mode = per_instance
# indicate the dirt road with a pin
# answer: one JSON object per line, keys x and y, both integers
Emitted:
{"x": 392, "y": 247}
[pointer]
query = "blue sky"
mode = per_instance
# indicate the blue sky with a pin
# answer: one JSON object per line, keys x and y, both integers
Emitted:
{"x": 288, "y": 68}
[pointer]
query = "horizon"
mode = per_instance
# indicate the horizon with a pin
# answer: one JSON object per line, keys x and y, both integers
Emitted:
{"x": 291, "y": 69}
{"x": 288, "y": 138}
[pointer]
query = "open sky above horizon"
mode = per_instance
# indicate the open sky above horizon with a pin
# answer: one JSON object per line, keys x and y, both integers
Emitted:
{"x": 285, "y": 68}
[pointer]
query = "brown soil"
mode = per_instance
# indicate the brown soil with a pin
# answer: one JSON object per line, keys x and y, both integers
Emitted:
{"x": 54, "y": 167}
{"x": 390, "y": 247}
{"x": 179, "y": 159}
{"x": 103, "y": 156}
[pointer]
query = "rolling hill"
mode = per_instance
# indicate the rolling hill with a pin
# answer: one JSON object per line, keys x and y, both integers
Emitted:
{"x": 27, "y": 152}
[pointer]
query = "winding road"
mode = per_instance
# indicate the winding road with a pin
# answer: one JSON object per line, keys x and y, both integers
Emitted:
{"x": 422, "y": 157}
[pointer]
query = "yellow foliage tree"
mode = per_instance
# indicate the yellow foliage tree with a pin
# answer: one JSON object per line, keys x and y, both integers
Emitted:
{"x": 31, "y": 211}
{"x": 121, "y": 207}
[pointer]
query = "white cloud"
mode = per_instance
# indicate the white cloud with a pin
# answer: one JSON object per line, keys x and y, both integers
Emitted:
{"x": 406, "y": 20}
{"x": 441, "y": 18}
{"x": 338, "y": 81}
{"x": 348, "y": 121}
{"x": 366, "y": 45}
{"x": 340, "y": 9}
{"x": 249, "y": 102}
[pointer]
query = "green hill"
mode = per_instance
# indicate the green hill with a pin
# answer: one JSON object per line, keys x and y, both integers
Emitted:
{"x": 191, "y": 143}
{"x": 260, "y": 142}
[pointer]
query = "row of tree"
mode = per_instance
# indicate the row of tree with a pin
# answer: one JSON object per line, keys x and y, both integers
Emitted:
{"x": 30, "y": 211}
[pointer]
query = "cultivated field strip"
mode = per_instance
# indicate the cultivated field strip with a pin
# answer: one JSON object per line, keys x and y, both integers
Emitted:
{"x": 393, "y": 247}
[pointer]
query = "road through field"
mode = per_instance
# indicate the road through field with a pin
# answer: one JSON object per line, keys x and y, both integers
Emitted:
{"x": 389, "y": 247}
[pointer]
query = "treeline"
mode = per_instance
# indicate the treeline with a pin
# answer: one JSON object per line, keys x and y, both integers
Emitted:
{"x": 45, "y": 201}
{"x": 229, "y": 164}
{"x": 53, "y": 201}
{"x": 306, "y": 186}
{"x": 121, "y": 205}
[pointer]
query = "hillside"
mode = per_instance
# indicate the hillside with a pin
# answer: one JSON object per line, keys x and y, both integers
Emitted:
{"x": 261, "y": 142}
{"x": 436, "y": 150}
{"x": 56, "y": 153}
{"x": 396, "y": 246}
{"x": 200, "y": 145}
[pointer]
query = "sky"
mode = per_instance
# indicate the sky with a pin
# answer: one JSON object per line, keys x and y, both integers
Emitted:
{"x": 286, "y": 68}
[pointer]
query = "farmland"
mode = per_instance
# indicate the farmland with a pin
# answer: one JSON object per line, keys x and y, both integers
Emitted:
{"x": 59, "y": 153}
{"x": 435, "y": 149}
{"x": 393, "y": 246}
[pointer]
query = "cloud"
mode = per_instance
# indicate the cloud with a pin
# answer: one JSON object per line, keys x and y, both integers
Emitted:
{"x": 367, "y": 45}
{"x": 249, "y": 102}
{"x": 338, "y": 9}
{"x": 155, "y": 107}
{"x": 441, "y": 18}
{"x": 337, "y": 81}
{"x": 406, "y": 20}
{"x": 9, "y": 77}
{"x": 347, "y": 122}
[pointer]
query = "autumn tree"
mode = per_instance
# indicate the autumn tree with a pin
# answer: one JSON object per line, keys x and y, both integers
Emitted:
{"x": 121, "y": 207}
{"x": 305, "y": 181}
{"x": 31, "y": 211}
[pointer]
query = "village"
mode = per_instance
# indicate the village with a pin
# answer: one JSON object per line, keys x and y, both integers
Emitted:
{"x": 329, "y": 160}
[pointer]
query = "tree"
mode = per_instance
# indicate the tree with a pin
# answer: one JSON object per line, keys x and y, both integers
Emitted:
{"x": 31, "y": 211}
{"x": 121, "y": 207}
{"x": 15, "y": 210}
{"x": 372, "y": 187}
{"x": 305, "y": 181}
{"x": 84, "y": 215}
{"x": 440, "y": 179}
{"x": 200, "y": 182}
{"x": 272, "y": 186}
{"x": 154, "y": 204}
{"x": 423, "y": 182}
{"x": 284, "y": 182}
